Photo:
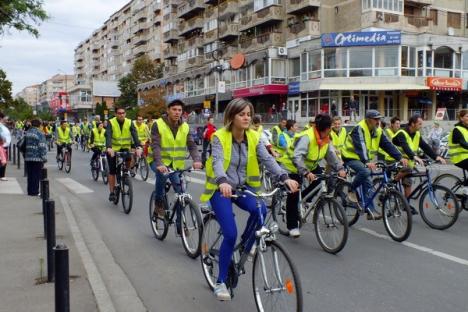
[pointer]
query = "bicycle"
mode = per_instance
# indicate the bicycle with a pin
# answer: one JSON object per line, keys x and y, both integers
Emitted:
{"x": 124, "y": 187}
{"x": 141, "y": 165}
{"x": 188, "y": 220}
{"x": 396, "y": 212}
{"x": 275, "y": 281}
{"x": 64, "y": 157}
{"x": 84, "y": 143}
{"x": 99, "y": 165}
{"x": 455, "y": 184}
{"x": 325, "y": 213}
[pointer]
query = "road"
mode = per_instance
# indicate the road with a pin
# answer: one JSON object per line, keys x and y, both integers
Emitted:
{"x": 427, "y": 273}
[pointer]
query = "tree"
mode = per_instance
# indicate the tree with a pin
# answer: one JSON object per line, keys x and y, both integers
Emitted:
{"x": 145, "y": 70}
{"x": 22, "y": 15}
{"x": 18, "y": 109}
{"x": 128, "y": 92}
{"x": 5, "y": 91}
{"x": 154, "y": 105}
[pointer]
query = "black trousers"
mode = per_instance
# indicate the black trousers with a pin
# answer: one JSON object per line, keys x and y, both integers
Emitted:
{"x": 206, "y": 146}
{"x": 33, "y": 169}
{"x": 463, "y": 165}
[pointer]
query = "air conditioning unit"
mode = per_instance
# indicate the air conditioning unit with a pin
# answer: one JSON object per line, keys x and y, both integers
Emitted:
{"x": 282, "y": 51}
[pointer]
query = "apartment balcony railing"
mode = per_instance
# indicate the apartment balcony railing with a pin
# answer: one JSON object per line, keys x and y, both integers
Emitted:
{"x": 190, "y": 25}
{"x": 243, "y": 3}
{"x": 228, "y": 51}
{"x": 141, "y": 26}
{"x": 190, "y": 8}
{"x": 229, "y": 7}
{"x": 271, "y": 39}
{"x": 408, "y": 23}
{"x": 140, "y": 49}
{"x": 267, "y": 15}
{"x": 142, "y": 13}
{"x": 210, "y": 36}
{"x": 301, "y": 6}
{"x": 170, "y": 70}
{"x": 171, "y": 35}
{"x": 195, "y": 61}
{"x": 247, "y": 43}
{"x": 210, "y": 12}
{"x": 421, "y": 2}
{"x": 228, "y": 31}
{"x": 170, "y": 52}
{"x": 417, "y": 21}
{"x": 156, "y": 6}
{"x": 195, "y": 42}
{"x": 303, "y": 28}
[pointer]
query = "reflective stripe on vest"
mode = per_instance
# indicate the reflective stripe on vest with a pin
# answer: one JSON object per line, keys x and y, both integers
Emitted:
{"x": 63, "y": 137}
{"x": 457, "y": 153}
{"x": 121, "y": 139}
{"x": 413, "y": 143}
{"x": 253, "y": 171}
{"x": 99, "y": 138}
{"x": 338, "y": 140}
{"x": 370, "y": 144}
{"x": 173, "y": 150}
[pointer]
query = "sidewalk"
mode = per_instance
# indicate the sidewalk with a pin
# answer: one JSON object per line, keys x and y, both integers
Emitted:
{"x": 22, "y": 247}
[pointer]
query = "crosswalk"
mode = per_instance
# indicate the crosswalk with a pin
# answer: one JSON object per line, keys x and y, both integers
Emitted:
{"x": 10, "y": 187}
{"x": 74, "y": 186}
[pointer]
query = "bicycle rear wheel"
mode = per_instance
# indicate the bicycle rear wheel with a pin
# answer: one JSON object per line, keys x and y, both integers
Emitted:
{"x": 60, "y": 162}
{"x": 144, "y": 168}
{"x": 95, "y": 170}
{"x": 351, "y": 209}
{"x": 158, "y": 225}
{"x": 210, "y": 245}
{"x": 397, "y": 216}
{"x": 276, "y": 283}
{"x": 439, "y": 207}
{"x": 191, "y": 229}
{"x": 105, "y": 171}
{"x": 127, "y": 194}
{"x": 331, "y": 227}
{"x": 117, "y": 194}
{"x": 278, "y": 212}
{"x": 67, "y": 161}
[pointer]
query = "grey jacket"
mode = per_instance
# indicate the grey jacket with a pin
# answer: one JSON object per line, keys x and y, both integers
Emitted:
{"x": 236, "y": 173}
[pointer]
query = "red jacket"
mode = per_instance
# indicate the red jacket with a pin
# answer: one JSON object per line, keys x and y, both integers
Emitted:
{"x": 209, "y": 130}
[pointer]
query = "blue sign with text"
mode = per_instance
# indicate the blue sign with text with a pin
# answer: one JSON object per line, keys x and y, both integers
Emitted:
{"x": 365, "y": 38}
{"x": 294, "y": 88}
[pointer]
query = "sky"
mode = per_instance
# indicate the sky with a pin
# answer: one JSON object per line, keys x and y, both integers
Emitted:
{"x": 27, "y": 60}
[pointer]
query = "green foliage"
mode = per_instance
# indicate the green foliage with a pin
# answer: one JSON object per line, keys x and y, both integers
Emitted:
{"x": 145, "y": 70}
{"x": 46, "y": 115}
{"x": 5, "y": 90}
{"x": 19, "y": 110}
{"x": 22, "y": 15}
{"x": 100, "y": 108}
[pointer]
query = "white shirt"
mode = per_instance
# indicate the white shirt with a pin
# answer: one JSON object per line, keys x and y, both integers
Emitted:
{"x": 5, "y": 133}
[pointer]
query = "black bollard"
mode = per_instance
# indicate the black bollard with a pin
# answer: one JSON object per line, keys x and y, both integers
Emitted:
{"x": 19, "y": 157}
{"x": 43, "y": 173}
{"x": 9, "y": 152}
{"x": 14, "y": 154}
{"x": 50, "y": 208}
{"x": 25, "y": 173}
{"x": 62, "y": 279}
{"x": 45, "y": 198}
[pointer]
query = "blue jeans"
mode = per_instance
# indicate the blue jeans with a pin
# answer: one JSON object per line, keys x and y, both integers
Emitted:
{"x": 222, "y": 207}
{"x": 160, "y": 183}
{"x": 363, "y": 177}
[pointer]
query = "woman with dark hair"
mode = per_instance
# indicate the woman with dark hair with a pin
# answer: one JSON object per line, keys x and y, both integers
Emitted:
{"x": 35, "y": 156}
{"x": 235, "y": 162}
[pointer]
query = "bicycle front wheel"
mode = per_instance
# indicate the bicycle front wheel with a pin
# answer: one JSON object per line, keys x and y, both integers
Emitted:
{"x": 351, "y": 209}
{"x": 276, "y": 283}
{"x": 104, "y": 172}
{"x": 212, "y": 238}
{"x": 331, "y": 226}
{"x": 278, "y": 212}
{"x": 191, "y": 229}
{"x": 95, "y": 170}
{"x": 67, "y": 161}
{"x": 144, "y": 169}
{"x": 60, "y": 162}
{"x": 158, "y": 225}
{"x": 127, "y": 194}
{"x": 455, "y": 184}
{"x": 438, "y": 207}
{"x": 397, "y": 216}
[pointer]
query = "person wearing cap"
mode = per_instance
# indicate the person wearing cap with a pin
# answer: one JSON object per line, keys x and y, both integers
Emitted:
{"x": 361, "y": 147}
{"x": 64, "y": 138}
{"x": 170, "y": 141}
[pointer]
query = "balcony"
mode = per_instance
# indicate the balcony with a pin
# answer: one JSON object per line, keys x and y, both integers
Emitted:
{"x": 243, "y": 3}
{"x": 142, "y": 13}
{"x": 114, "y": 43}
{"x": 420, "y": 2}
{"x": 195, "y": 42}
{"x": 247, "y": 42}
{"x": 270, "y": 15}
{"x": 141, "y": 37}
{"x": 228, "y": 31}
{"x": 139, "y": 50}
{"x": 303, "y": 28}
{"x": 269, "y": 40}
{"x": 171, "y": 36}
{"x": 417, "y": 21}
{"x": 301, "y": 6}
{"x": 170, "y": 70}
{"x": 210, "y": 12}
{"x": 186, "y": 27}
{"x": 228, "y": 8}
{"x": 156, "y": 7}
{"x": 170, "y": 52}
{"x": 190, "y": 8}
{"x": 141, "y": 26}
{"x": 409, "y": 23}
{"x": 210, "y": 36}
{"x": 195, "y": 61}
{"x": 228, "y": 51}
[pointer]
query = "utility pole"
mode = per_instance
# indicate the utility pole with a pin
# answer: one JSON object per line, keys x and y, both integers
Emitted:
{"x": 218, "y": 70}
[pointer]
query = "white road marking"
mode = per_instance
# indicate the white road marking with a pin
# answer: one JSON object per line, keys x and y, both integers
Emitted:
{"x": 74, "y": 186}
{"x": 10, "y": 187}
{"x": 418, "y": 247}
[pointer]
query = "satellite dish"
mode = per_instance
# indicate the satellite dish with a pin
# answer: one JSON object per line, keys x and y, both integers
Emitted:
{"x": 237, "y": 61}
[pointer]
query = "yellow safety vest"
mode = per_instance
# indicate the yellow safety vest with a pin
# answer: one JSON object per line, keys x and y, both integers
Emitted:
{"x": 99, "y": 137}
{"x": 313, "y": 157}
{"x": 253, "y": 171}
{"x": 121, "y": 139}
{"x": 371, "y": 143}
{"x": 283, "y": 150}
{"x": 412, "y": 143}
{"x": 339, "y": 139}
{"x": 63, "y": 137}
{"x": 390, "y": 136}
{"x": 173, "y": 150}
{"x": 143, "y": 132}
{"x": 457, "y": 153}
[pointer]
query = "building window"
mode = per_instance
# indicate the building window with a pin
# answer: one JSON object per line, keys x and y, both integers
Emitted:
{"x": 315, "y": 64}
{"x": 434, "y": 14}
{"x": 294, "y": 67}
{"x": 278, "y": 71}
{"x": 386, "y": 61}
{"x": 335, "y": 62}
{"x": 210, "y": 25}
{"x": 383, "y": 5}
{"x": 360, "y": 61}
{"x": 453, "y": 19}
{"x": 261, "y": 4}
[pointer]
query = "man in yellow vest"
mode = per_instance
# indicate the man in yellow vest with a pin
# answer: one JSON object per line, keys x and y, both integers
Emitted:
{"x": 170, "y": 141}
{"x": 302, "y": 161}
{"x": 121, "y": 135}
{"x": 409, "y": 141}
{"x": 458, "y": 144}
{"x": 338, "y": 135}
{"x": 286, "y": 137}
{"x": 96, "y": 121}
{"x": 64, "y": 138}
{"x": 360, "y": 149}
{"x": 275, "y": 132}
{"x": 97, "y": 141}
{"x": 142, "y": 129}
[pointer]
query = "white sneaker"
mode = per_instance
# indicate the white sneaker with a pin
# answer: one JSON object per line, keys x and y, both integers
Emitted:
{"x": 464, "y": 191}
{"x": 221, "y": 292}
{"x": 3, "y": 179}
{"x": 294, "y": 233}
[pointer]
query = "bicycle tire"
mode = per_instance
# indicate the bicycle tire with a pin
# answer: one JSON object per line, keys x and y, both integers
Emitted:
{"x": 191, "y": 221}
{"x": 454, "y": 183}
{"x": 95, "y": 170}
{"x": 117, "y": 194}
{"x": 278, "y": 212}
{"x": 210, "y": 246}
{"x": 400, "y": 210}
{"x": 288, "y": 285}
{"x": 105, "y": 173}
{"x": 341, "y": 195}
{"x": 159, "y": 226}
{"x": 333, "y": 218}
{"x": 67, "y": 161}
{"x": 127, "y": 194}
{"x": 450, "y": 204}
{"x": 144, "y": 168}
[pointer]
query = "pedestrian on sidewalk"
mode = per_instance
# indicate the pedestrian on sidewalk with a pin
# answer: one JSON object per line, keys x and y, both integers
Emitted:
{"x": 35, "y": 156}
{"x": 5, "y": 133}
{"x": 3, "y": 159}
{"x": 208, "y": 131}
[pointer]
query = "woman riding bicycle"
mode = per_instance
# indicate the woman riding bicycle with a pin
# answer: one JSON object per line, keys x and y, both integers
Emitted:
{"x": 235, "y": 163}
{"x": 458, "y": 144}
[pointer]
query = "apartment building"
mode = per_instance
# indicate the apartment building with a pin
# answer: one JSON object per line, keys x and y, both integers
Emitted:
{"x": 108, "y": 54}
{"x": 50, "y": 88}
{"x": 30, "y": 94}
{"x": 398, "y": 56}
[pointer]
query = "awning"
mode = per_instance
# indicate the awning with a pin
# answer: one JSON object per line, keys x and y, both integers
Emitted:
{"x": 372, "y": 86}
{"x": 444, "y": 83}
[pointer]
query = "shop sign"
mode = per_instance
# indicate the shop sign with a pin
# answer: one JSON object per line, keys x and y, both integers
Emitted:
{"x": 207, "y": 104}
{"x": 365, "y": 38}
{"x": 440, "y": 114}
{"x": 260, "y": 90}
{"x": 444, "y": 83}
{"x": 294, "y": 88}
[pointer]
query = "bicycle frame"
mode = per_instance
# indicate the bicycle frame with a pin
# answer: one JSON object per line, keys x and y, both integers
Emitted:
{"x": 180, "y": 197}
{"x": 425, "y": 184}
{"x": 365, "y": 204}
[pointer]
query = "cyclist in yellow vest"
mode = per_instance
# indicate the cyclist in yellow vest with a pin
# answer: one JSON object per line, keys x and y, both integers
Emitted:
{"x": 361, "y": 147}
{"x": 458, "y": 144}
{"x": 409, "y": 141}
{"x": 258, "y": 127}
{"x": 121, "y": 135}
{"x": 142, "y": 129}
{"x": 275, "y": 132}
{"x": 235, "y": 162}
{"x": 95, "y": 122}
{"x": 170, "y": 141}
{"x": 64, "y": 138}
{"x": 286, "y": 137}
{"x": 309, "y": 125}
{"x": 302, "y": 161}
{"x": 338, "y": 135}
{"x": 97, "y": 141}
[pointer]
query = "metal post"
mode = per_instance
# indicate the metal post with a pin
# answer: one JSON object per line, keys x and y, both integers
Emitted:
{"x": 14, "y": 154}
{"x": 19, "y": 157}
{"x": 50, "y": 208}
{"x": 25, "y": 174}
{"x": 43, "y": 173}
{"x": 9, "y": 152}
{"x": 62, "y": 279}
{"x": 45, "y": 198}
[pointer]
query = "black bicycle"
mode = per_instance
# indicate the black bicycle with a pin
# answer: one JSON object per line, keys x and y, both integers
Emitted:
{"x": 456, "y": 185}
{"x": 99, "y": 166}
{"x": 124, "y": 187}
{"x": 64, "y": 157}
{"x": 186, "y": 212}
{"x": 141, "y": 166}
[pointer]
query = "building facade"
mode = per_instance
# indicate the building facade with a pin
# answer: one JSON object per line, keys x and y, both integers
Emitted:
{"x": 49, "y": 88}
{"x": 310, "y": 56}
{"x": 30, "y": 94}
